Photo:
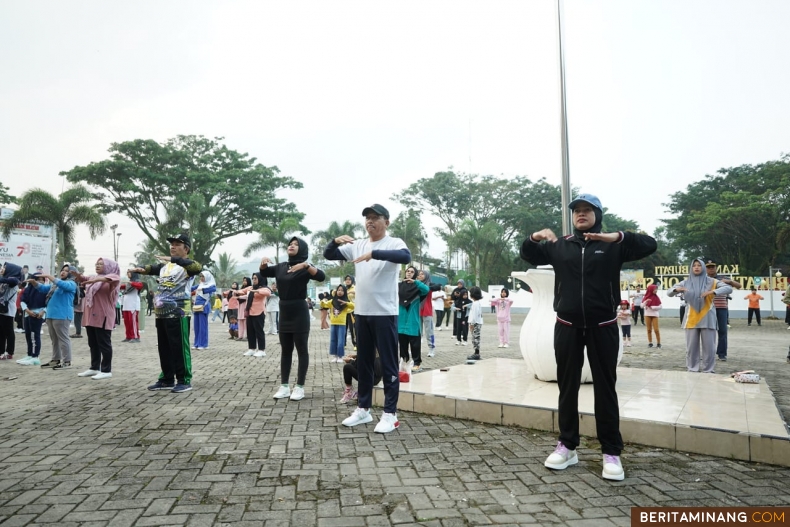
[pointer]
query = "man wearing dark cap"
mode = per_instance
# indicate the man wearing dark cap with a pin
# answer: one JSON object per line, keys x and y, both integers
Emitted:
{"x": 587, "y": 267}
{"x": 722, "y": 310}
{"x": 172, "y": 308}
{"x": 377, "y": 260}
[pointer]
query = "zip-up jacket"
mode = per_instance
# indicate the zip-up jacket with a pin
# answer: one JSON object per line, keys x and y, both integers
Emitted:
{"x": 587, "y": 274}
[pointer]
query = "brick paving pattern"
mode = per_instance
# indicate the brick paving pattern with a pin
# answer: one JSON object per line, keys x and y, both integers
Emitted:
{"x": 79, "y": 452}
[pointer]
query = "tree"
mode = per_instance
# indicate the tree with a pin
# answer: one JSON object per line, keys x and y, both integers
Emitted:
{"x": 277, "y": 234}
{"x": 5, "y": 197}
{"x": 484, "y": 244}
{"x": 408, "y": 227}
{"x": 224, "y": 270}
{"x": 321, "y": 239}
{"x": 189, "y": 183}
{"x": 72, "y": 208}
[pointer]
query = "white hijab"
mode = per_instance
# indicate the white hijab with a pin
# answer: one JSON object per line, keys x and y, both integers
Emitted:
{"x": 206, "y": 284}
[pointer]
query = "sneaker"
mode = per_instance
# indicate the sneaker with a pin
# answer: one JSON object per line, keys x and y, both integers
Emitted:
{"x": 465, "y": 343}
{"x": 91, "y": 373}
{"x": 249, "y": 353}
{"x": 416, "y": 368}
{"x": 62, "y": 366}
{"x": 561, "y": 458}
{"x": 297, "y": 394}
{"x": 506, "y": 346}
{"x": 19, "y": 330}
{"x": 102, "y": 375}
{"x": 158, "y": 385}
{"x": 431, "y": 353}
{"x": 180, "y": 388}
{"x": 283, "y": 392}
{"x": 50, "y": 364}
{"x": 612, "y": 468}
{"x": 359, "y": 417}
{"x": 75, "y": 336}
{"x": 501, "y": 345}
{"x": 658, "y": 346}
{"x": 438, "y": 329}
{"x": 25, "y": 361}
{"x": 650, "y": 345}
{"x": 628, "y": 345}
{"x": 127, "y": 340}
{"x": 723, "y": 359}
{"x": 457, "y": 342}
{"x": 475, "y": 356}
{"x": 34, "y": 361}
{"x": 138, "y": 340}
{"x": 6, "y": 356}
{"x": 348, "y": 396}
{"x": 259, "y": 354}
{"x": 388, "y": 423}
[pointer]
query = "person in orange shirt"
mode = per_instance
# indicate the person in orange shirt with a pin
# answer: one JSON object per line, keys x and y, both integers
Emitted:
{"x": 754, "y": 305}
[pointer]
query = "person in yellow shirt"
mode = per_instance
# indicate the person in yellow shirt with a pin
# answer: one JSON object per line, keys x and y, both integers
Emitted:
{"x": 216, "y": 308}
{"x": 339, "y": 311}
{"x": 754, "y": 305}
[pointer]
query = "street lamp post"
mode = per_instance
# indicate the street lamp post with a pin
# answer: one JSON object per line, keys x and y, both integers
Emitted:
{"x": 771, "y": 287}
{"x": 114, "y": 250}
{"x": 117, "y": 245}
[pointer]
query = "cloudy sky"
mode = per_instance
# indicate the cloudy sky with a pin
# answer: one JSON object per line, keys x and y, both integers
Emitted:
{"x": 359, "y": 99}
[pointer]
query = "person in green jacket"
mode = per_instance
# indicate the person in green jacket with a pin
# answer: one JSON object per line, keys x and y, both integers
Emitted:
{"x": 411, "y": 293}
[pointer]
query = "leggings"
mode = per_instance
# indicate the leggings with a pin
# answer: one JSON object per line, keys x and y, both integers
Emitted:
{"x": 287, "y": 342}
{"x": 652, "y": 325}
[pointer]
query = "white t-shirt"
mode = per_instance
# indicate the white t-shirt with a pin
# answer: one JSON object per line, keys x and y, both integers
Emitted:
{"x": 130, "y": 299}
{"x": 377, "y": 280}
{"x": 438, "y": 300}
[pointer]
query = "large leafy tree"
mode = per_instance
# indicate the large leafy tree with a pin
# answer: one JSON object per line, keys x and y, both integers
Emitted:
{"x": 277, "y": 234}
{"x": 408, "y": 227}
{"x": 5, "y": 197}
{"x": 322, "y": 238}
{"x": 71, "y": 208}
{"x": 740, "y": 215}
{"x": 188, "y": 183}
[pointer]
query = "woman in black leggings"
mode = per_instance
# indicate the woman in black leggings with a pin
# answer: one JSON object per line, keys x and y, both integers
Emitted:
{"x": 292, "y": 278}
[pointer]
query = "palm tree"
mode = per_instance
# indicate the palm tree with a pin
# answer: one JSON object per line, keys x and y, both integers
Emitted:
{"x": 277, "y": 234}
{"x": 335, "y": 229}
{"x": 224, "y": 270}
{"x": 408, "y": 227}
{"x": 483, "y": 243}
{"x": 73, "y": 207}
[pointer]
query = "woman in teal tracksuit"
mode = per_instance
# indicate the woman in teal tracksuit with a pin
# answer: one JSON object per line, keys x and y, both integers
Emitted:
{"x": 411, "y": 292}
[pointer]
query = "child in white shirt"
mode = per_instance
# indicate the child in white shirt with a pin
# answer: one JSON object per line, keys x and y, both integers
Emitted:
{"x": 475, "y": 320}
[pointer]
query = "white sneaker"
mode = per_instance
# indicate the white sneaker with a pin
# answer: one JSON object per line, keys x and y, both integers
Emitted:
{"x": 438, "y": 329}
{"x": 297, "y": 394}
{"x": 388, "y": 423}
{"x": 501, "y": 345}
{"x": 19, "y": 330}
{"x": 561, "y": 458}
{"x": 457, "y": 342}
{"x": 88, "y": 373}
{"x": 612, "y": 468}
{"x": 249, "y": 353}
{"x": 25, "y": 361}
{"x": 464, "y": 343}
{"x": 101, "y": 375}
{"x": 259, "y": 354}
{"x": 359, "y": 417}
{"x": 283, "y": 392}
{"x": 431, "y": 353}
{"x": 506, "y": 346}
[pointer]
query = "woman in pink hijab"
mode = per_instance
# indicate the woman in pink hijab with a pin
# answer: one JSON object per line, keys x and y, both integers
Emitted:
{"x": 651, "y": 303}
{"x": 98, "y": 318}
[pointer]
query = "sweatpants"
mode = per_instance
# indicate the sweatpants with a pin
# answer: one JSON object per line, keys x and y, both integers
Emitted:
{"x": 427, "y": 330}
{"x": 78, "y": 323}
{"x": 201, "y": 329}
{"x": 131, "y": 325}
{"x": 256, "y": 337}
{"x": 410, "y": 341}
{"x": 602, "y": 345}
{"x": 289, "y": 341}
{"x": 504, "y": 331}
{"x": 754, "y": 311}
{"x": 7, "y": 335}
{"x": 33, "y": 335}
{"x": 700, "y": 350}
{"x": 722, "y": 319}
{"x": 175, "y": 359}
{"x": 440, "y": 317}
{"x": 463, "y": 329}
{"x": 100, "y": 344}
{"x": 351, "y": 330}
{"x": 350, "y": 373}
{"x": 59, "y": 335}
{"x": 378, "y": 332}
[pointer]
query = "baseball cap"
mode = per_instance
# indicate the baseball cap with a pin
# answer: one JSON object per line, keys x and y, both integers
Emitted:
{"x": 377, "y": 209}
{"x": 183, "y": 238}
{"x": 586, "y": 198}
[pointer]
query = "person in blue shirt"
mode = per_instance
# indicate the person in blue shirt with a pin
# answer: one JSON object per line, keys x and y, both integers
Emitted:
{"x": 60, "y": 312}
{"x": 33, "y": 307}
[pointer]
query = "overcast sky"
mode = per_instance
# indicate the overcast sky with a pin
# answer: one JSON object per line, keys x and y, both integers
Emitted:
{"x": 359, "y": 99}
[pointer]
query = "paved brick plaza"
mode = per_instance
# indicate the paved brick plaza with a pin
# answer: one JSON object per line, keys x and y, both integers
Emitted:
{"x": 83, "y": 452}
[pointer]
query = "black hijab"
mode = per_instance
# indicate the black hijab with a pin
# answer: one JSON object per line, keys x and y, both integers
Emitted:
{"x": 408, "y": 292}
{"x": 301, "y": 255}
{"x": 336, "y": 303}
{"x": 597, "y": 226}
{"x": 262, "y": 282}
{"x": 245, "y": 282}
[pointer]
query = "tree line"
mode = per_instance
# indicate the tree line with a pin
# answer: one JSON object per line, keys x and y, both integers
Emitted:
{"x": 199, "y": 185}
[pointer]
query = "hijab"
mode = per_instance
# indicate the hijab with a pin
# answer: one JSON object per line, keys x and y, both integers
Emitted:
{"x": 408, "y": 292}
{"x": 696, "y": 285}
{"x": 245, "y": 282}
{"x": 262, "y": 282}
{"x": 427, "y": 279}
{"x": 301, "y": 254}
{"x": 651, "y": 298}
{"x": 12, "y": 273}
{"x": 111, "y": 268}
{"x": 597, "y": 226}
{"x": 207, "y": 282}
{"x": 336, "y": 303}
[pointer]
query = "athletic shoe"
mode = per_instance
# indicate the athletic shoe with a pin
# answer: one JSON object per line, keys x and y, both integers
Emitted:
{"x": 249, "y": 353}
{"x": 431, "y": 353}
{"x": 628, "y": 345}
{"x": 159, "y": 385}
{"x": 506, "y": 346}
{"x": 181, "y": 388}
{"x": 416, "y": 368}
{"x": 650, "y": 345}
{"x": 297, "y": 394}
{"x": 62, "y": 366}
{"x": 561, "y": 458}
{"x": 283, "y": 392}
{"x": 501, "y": 345}
{"x": 348, "y": 396}
{"x": 6, "y": 356}
{"x": 126, "y": 340}
{"x": 658, "y": 346}
{"x": 339, "y": 360}
{"x": 34, "y": 361}
{"x": 50, "y": 364}
{"x": 388, "y": 423}
{"x": 259, "y": 354}
{"x": 438, "y": 329}
{"x": 102, "y": 375}
{"x": 75, "y": 336}
{"x": 723, "y": 359}
{"x": 464, "y": 343}
{"x": 457, "y": 342}
{"x": 19, "y": 330}
{"x": 91, "y": 373}
{"x": 25, "y": 361}
{"x": 475, "y": 356}
{"x": 612, "y": 468}
{"x": 359, "y": 417}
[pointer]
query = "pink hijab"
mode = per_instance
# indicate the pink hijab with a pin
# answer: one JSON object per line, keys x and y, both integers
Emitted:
{"x": 111, "y": 270}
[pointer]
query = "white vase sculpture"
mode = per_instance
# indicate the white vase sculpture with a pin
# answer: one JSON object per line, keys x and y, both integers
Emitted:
{"x": 537, "y": 333}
